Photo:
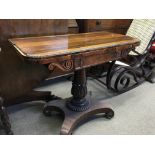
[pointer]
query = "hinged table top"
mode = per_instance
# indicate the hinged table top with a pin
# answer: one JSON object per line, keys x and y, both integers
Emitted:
{"x": 49, "y": 46}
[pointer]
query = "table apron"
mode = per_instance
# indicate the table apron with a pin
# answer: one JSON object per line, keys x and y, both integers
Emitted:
{"x": 72, "y": 62}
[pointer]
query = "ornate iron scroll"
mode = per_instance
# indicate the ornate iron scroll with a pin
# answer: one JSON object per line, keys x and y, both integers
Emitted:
{"x": 123, "y": 78}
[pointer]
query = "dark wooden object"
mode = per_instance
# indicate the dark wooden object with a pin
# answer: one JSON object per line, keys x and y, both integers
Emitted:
{"x": 72, "y": 118}
{"x": 18, "y": 78}
{"x": 79, "y": 92}
{"x": 74, "y": 53}
{"x": 110, "y": 25}
{"x": 72, "y": 26}
{"x": 5, "y": 119}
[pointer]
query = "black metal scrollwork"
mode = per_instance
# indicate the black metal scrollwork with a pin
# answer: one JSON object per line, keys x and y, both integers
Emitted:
{"x": 123, "y": 78}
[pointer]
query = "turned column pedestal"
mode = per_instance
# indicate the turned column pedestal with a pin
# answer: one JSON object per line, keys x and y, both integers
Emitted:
{"x": 79, "y": 107}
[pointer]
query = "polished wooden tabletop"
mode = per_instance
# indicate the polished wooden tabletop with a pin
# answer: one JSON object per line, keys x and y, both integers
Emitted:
{"x": 49, "y": 46}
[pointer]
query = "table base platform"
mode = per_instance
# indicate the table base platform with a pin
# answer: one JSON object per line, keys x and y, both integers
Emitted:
{"x": 72, "y": 118}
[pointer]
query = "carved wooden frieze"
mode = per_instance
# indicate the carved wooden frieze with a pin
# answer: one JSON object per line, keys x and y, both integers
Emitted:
{"x": 66, "y": 65}
{"x": 77, "y": 61}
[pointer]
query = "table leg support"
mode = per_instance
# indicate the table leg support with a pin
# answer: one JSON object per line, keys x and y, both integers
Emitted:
{"x": 5, "y": 119}
{"x": 77, "y": 108}
{"x": 79, "y": 91}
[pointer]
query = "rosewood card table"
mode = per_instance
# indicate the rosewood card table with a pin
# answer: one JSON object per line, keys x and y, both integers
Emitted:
{"x": 74, "y": 53}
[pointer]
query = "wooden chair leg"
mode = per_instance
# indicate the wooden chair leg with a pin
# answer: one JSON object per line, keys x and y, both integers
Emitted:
{"x": 5, "y": 118}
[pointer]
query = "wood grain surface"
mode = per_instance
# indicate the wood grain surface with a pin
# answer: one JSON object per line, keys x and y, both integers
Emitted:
{"x": 49, "y": 46}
